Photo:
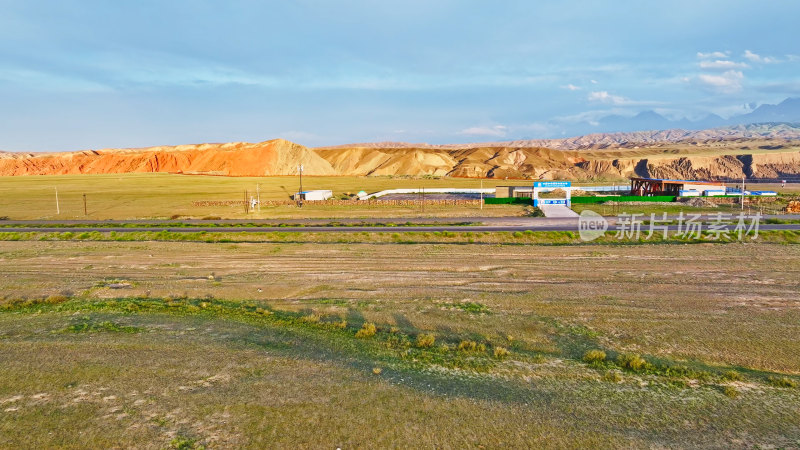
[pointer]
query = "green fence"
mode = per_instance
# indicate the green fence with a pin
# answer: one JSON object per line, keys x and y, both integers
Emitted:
{"x": 624, "y": 198}
{"x": 507, "y": 200}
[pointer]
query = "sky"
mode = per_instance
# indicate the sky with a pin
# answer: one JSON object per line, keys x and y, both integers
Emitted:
{"x": 88, "y": 74}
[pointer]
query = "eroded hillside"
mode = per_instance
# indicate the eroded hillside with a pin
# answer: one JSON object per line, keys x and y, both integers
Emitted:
{"x": 714, "y": 159}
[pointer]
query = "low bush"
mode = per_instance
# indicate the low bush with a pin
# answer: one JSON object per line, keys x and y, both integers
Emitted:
{"x": 594, "y": 356}
{"x": 631, "y": 362}
{"x": 784, "y": 382}
{"x": 367, "y": 330}
{"x": 425, "y": 340}
{"x": 311, "y": 319}
{"x": 613, "y": 376}
{"x": 732, "y": 375}
{"x": 471, "y": 346}
{"x": 730, "y": 391}
{"x": 500, "y": 352}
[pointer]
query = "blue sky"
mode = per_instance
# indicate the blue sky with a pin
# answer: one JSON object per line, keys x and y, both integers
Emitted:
{"x": 95, "y": 74}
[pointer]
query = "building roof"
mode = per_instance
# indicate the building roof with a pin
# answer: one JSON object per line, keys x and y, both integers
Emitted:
{"x": 666, "y": 180}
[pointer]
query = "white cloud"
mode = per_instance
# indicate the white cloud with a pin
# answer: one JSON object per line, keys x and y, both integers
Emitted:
{"x": 497, "y": 131}
{"x": 593, "y": 81}
{"x": 727, "y": 83}
{"x": 702, "y": 55}
{"x": 605, "y": 97}
{"x": 572, "y": 87}
{"x": 756, "y": 58}
{"x": 722, "y": 64}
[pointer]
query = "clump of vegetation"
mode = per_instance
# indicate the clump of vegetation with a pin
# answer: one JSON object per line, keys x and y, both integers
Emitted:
{"x": 730, "y": 391}
{"x": 14, "y": 303}
{"x": 367, "y": 330}
{"x": 471, "y": 346}
{"x": 471, "y": 307}
{"x": 784, "y": 382}
{"x": 185, "y": 443}
{"x": 500, "y": 352}
{"x": 311, "y": 319}
{"x": 87, "y": 325}
{"x": 377, "y": 370}
{"x": 398, "y": 341}
{"x": 594, "y": 356}
{"x": 613, "y": 376}
{"x": 732, "y": 375}
{"x": 425, "y": 340}
{"x": 632, "y": 362}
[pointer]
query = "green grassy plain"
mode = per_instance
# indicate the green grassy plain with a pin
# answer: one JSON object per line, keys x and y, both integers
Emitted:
{"x": 144, "y": 196}
{"x": 164, "y": 196}
{"x": 254, "y": 344}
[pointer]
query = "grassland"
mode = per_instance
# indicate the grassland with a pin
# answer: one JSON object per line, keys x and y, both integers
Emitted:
{"x": 135, "y": 196}
{"x": 159, "y": 344}
{"x": 165, "y": 196}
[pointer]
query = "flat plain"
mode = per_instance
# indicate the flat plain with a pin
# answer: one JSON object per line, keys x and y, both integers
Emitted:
{"x": 158, "y": 344}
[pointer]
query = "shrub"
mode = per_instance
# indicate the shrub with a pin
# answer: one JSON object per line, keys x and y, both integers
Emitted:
{"x": 732, "y": 375}
{"x": 184, "y": 443}
{"x": 471, "y": 346}
{"x": 593, "y": 356}
{"x": 500, "y": 352}
{"x": 730, "y": 391}
{"x": 785, "y": 382}
{"x": 311, "y": 319}
{"x": 398, "y": 341}
{"x": 377, "y": 370}
{"x": 631, "y": 361}
{"x": 425, "y": 340}
{"x": 367, "y": 330}
{"x": 56, "y": 299}
{"x": 613, "y": 376}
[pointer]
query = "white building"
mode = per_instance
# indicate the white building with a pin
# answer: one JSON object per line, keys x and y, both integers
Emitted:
{"x": 319, "y": 194}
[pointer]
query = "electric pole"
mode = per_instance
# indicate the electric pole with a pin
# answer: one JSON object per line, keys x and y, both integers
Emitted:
{"x": 85, "y": 213}
{"x": 58, "y": 209}
{"x": 481, "y": 194}
{"x": 742, "y": 200}
{"x": 300, "y": 194}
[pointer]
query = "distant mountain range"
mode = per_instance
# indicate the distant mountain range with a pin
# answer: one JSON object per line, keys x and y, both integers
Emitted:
{"x": 759, "y": 131}
{"x": 786, "y": 111}
{"x": 781, "y": 121}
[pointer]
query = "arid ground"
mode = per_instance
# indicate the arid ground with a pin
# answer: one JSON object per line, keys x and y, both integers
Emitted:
{"x": 188, "y": 344}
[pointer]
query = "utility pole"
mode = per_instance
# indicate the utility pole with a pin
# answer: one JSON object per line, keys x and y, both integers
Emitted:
{"x": 58, "y": 209}
{"x": 85, "y": 213}
{"x": 258, "y": 196}
{"x": 300, "y": 199}
{"x": 481, "y": 194}
{"x": 742, "y": 198}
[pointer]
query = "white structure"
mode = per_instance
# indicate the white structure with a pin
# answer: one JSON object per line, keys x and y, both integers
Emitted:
{"x": 426, "y": 191}
{"x": 546, "y": 186}
{"x": 319, "y": 194}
